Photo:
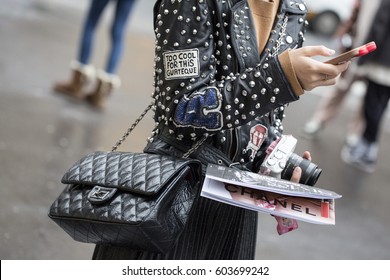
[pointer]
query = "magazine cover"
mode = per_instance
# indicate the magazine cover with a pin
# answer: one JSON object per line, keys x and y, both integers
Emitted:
{"x": 270, "y": 195}
{"x": 306, "y": 209}
{"x": 258, "y": 181}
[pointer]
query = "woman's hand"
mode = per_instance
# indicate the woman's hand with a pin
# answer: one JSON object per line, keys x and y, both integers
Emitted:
{"x": 312, "y": 73}
{"x": 297, "y": 173}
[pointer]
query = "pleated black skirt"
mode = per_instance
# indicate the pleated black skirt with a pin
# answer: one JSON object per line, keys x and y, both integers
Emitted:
{"x": 215, "y": 231}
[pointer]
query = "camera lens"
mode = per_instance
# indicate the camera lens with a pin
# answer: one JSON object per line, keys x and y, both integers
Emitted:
{"x": 310, "y": 171}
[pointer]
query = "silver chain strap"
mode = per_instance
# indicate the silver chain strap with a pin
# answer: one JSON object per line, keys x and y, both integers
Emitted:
{"x": 131, "y": 128}
{"x": 194, "y": 147}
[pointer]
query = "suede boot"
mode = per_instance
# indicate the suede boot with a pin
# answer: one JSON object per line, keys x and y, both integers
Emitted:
{"x": 106, "y": 83}
{"x": 81, "y": 75}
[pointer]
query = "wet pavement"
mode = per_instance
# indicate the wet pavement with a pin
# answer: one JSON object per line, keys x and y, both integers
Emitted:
{"x": 42, "y": 134}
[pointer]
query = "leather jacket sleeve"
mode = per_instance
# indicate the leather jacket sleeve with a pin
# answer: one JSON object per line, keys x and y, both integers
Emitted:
{"x": 202, "y": 79}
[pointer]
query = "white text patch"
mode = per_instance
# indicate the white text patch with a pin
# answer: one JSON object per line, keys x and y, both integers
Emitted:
{"x": 181, "y": 64}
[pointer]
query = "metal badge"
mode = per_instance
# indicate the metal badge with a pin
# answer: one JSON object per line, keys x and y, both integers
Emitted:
{"x": 99, "y": 195}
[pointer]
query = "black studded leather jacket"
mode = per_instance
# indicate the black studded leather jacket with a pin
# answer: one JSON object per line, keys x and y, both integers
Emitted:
{"x": 211, "y": 81}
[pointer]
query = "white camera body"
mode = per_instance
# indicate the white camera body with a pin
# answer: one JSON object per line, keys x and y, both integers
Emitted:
{"x": 276, "y": 161}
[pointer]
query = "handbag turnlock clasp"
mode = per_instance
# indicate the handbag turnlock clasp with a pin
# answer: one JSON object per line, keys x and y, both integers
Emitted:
{"x": 99, "y": 195}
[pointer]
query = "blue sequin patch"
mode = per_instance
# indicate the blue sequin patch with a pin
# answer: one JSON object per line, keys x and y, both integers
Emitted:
{"x": 200, "y": 109}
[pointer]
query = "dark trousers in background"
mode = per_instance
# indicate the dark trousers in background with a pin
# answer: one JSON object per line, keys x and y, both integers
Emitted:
{"x": 375, "y": 103}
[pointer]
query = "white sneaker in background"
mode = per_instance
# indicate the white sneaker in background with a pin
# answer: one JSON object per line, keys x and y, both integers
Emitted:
{"x": 352, "y": 139}
{"x": 363, "y": 155}
{"x": 311, "y": 129}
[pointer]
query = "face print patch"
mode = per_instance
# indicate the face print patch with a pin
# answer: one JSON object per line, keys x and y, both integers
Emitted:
{"x": 258, "y": 133}
{"x": 181, "y": 64}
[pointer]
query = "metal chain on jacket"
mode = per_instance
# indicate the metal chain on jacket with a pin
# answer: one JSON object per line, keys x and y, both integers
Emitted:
{"x": 282, "y": 34}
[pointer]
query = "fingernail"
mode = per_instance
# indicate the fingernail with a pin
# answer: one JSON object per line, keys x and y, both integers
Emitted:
{"x": 332, "y": 51}
{"x": 297, "y": 169}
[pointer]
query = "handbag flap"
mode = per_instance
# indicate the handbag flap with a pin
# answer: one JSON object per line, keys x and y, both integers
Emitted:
{"x": 141, "y": 173}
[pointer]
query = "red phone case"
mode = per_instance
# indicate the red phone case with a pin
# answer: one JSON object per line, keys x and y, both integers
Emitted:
{"x": 347, "y": 56}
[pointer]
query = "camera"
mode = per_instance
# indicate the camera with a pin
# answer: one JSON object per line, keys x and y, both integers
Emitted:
{"x": 281, "y": 161}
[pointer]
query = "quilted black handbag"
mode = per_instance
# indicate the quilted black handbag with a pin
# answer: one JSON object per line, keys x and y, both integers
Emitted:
{"x": 138, "y": 200}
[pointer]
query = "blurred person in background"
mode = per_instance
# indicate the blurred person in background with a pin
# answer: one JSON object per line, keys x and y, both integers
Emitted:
{"x": 350, "y": 35}
{"x": 82, "y": 70}
{"x": 376, "y": 69}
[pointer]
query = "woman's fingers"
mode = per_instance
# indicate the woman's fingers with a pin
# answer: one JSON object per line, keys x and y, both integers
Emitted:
{"x": 322, "y": 80}
{"x": 312, "y": 73}
{"x": 297, "y": 173}
{"x": 296, "y": 176}
{"x": 311, "y": 51}
{"x": 307, "y": 155}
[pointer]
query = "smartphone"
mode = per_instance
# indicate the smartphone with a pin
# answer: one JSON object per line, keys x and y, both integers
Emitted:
{"x": 347, "y": 56}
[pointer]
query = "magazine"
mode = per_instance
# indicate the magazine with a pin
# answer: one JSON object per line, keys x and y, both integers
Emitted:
{"x": 270, "y": 195}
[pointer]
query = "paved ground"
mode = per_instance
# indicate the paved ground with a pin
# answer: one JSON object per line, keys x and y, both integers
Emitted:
{"x": 41, "y": 134}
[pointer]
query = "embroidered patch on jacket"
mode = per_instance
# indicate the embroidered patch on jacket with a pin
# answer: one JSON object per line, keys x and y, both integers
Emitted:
{"x": 258, "y": 133}
{"x": 181, "y": 64}
{"x": 201, "y": 110}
